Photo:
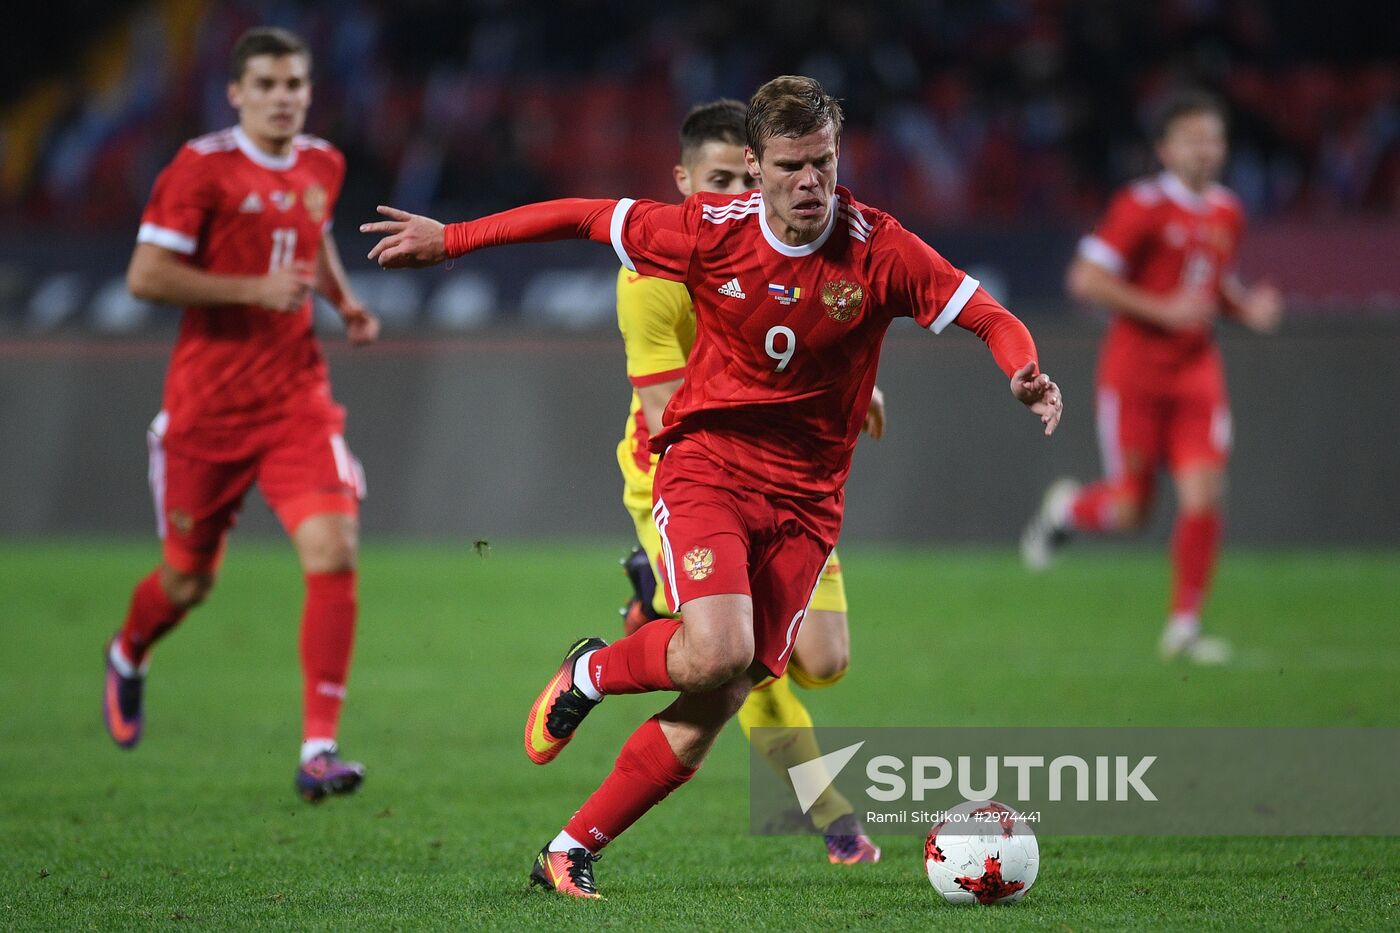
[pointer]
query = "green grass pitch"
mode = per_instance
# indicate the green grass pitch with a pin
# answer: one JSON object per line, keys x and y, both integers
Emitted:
{"x": 199, "y": 826}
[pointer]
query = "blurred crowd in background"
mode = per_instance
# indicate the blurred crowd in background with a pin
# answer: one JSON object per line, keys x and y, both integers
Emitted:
{"x": 969, "y": 113}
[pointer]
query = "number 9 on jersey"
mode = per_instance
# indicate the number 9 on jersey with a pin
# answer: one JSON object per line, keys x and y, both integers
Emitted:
{"x": 770, "y": 346}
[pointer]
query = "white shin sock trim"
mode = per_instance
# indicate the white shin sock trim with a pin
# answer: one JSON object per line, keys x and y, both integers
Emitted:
{"x": 1184, "y": 621}
{"x": 123, "y": 664}
{"x": 315, "y": 746}
{"x": 583, "y": 680}
{"x": 564, "y": 842}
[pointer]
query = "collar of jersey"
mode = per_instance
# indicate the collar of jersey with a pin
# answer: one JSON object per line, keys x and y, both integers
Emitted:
{"x": 806, "y": 249}
{"x": 251, "y": 150}
{"x": 1175, "y": 189}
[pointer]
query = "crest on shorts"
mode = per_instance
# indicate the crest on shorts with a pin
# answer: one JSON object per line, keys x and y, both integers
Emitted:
{"x": 699, "y": 563}
{"x": 842, "y": 299}
{"x": 180, "y": 521}
{"x": 315, "y": 200}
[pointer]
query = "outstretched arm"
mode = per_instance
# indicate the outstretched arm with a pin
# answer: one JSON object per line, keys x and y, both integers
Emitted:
{"x": 1015, "y": 353}
{"x": 413, "y": 241}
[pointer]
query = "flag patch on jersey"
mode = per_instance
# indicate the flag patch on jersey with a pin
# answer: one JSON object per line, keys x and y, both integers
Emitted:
{"x": 732, "y": 289}
{"x": 784, "y": 294}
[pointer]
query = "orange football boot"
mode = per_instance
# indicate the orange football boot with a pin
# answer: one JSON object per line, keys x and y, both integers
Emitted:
{"x": 558, "y": 710}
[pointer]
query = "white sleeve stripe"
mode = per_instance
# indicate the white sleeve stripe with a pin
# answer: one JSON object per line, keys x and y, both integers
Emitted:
{"x": 166, "y": 238}
{"x": 954, "y": 307}
{"x": 1100, "y": 253}
{"x": 619, "y": 217}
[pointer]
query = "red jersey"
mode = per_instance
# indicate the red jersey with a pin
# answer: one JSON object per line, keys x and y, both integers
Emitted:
{"x": 228, "y": 207}
{"x": 788, "y": 337}
{"x": 1161, "y": 236}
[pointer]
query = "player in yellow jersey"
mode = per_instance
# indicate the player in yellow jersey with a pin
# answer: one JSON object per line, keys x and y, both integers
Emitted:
{"x": 657, "y": 322}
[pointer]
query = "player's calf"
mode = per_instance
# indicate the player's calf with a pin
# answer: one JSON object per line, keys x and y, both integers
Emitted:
{"x": 185, "y": 590}
{"x": 694, "y": 720}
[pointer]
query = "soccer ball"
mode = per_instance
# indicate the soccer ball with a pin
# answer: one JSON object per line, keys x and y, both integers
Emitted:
{"x": 981, "y": 853}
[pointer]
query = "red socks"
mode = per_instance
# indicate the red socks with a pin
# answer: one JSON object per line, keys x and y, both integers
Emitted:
{"x": 150, "y": 616}
{"x": 1095, "y": 508}
{"x": 327, "y": 634}
{"x": 1195, "y": 543}
{"x": 637, "y": 663}
{"x": 647, "y": 770}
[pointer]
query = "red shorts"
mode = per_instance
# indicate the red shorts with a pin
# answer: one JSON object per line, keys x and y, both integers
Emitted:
{"x": 1181, "y": 419}
{"x": 717, "y": 537}
{"x": 303, "y": 469}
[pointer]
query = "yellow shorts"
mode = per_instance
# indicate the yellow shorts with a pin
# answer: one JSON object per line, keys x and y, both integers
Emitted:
{"x": 830, "y": 595}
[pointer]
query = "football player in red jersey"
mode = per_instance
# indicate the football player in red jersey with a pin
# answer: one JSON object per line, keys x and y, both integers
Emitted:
{"x": 237, "y": 232}
{"x": 794, "y": 286}
{"x": 656, "y": 318}
{"x": 1162, "y": 259}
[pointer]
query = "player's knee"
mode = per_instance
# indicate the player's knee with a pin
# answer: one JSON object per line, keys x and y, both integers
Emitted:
{"x": 822, "y": 671}
{"x": 708, "y": 663}
{"x": 335, "y": 557}
{"x": 327, "y": 544}
{"x": 185, "y": 590}
{"x": 715, "y": 645}
{"x": 717, "y": 669}
{"x": 1133, "y": 511}
{"x": 823, "y": 650}
{"x": 1203, "y": 491}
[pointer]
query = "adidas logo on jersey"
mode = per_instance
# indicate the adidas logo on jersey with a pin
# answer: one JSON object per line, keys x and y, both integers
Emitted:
{"x": 252, "y": 204}
{"x": 732, "y": 289}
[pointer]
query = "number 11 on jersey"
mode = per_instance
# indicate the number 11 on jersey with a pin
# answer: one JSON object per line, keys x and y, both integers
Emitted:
{"x": 284, "y": 248}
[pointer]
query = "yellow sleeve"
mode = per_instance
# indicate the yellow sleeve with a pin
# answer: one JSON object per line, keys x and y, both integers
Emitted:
{"x": 657, "y": 324}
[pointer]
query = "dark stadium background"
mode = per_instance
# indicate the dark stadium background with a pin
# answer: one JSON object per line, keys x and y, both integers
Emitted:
{"x": 492, "y": 406}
